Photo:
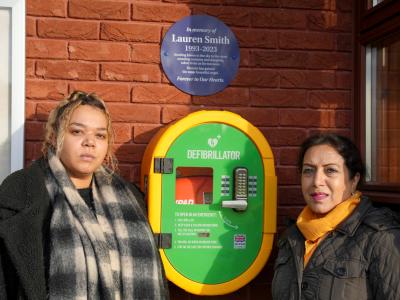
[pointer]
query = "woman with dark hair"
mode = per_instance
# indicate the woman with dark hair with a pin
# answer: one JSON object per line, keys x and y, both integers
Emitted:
{"x": 70, "y": 227}
{"x": 341, "y": 247}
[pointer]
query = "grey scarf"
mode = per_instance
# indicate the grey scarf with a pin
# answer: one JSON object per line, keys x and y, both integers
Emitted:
{"x": 109, "y": 254}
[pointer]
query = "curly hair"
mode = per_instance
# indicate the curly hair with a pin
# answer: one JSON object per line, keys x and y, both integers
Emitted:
{"x": 59, "y": 118}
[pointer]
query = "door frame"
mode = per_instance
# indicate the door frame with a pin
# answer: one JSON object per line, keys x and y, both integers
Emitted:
{"x": 17, "y": 84}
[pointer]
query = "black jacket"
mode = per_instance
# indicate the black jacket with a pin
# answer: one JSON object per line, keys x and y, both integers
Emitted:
{"x": 359, "y": 260}
{"x": 25, "y": 212}
{"x": 24, "y": 221}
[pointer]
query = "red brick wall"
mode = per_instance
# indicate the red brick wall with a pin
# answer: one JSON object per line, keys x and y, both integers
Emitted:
{"x": 294, "y": 79}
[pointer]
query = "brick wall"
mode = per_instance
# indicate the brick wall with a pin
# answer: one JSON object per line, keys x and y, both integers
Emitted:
{"x": 294, "y": 79}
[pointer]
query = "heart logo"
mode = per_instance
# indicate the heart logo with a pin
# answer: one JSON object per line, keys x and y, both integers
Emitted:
{"x": 212, "y": 142}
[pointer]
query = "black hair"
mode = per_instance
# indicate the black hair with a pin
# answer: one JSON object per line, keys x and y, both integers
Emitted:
{"x": 343, "y": 145}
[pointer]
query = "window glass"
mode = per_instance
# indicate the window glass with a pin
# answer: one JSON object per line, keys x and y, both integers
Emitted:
{"x": 383, "y": 111}
{"x": 194, "y": 185}
{"x": 372, "y": 3}
{"x": 5, "y": 110}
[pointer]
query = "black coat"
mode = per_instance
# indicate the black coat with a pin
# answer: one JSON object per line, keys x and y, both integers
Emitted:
{"x": 24, "y": 221}
{"x": 358, "y": 260}
{"x": 25, "y": 213}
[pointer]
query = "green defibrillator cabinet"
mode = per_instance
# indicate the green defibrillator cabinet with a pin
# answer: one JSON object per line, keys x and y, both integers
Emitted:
{"x": 211, "y": 187}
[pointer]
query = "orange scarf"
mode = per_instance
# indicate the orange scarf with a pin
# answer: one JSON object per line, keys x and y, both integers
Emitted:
{"x": 315, "y": 228}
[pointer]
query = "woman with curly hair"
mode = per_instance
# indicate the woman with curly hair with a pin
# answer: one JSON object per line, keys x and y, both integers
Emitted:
{"x": 70, "y": 227}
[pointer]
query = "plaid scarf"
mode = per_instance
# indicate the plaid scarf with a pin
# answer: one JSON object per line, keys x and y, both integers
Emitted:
{"x": 109, "y": 254}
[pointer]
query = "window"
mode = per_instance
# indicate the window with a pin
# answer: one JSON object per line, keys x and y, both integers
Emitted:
{"x": 12, "y": 85}
{"x": 377, "y": 95}
{"x": 194, "y": 185}
{"x": 372, "y": 3}
{"x": 382, "y": 91}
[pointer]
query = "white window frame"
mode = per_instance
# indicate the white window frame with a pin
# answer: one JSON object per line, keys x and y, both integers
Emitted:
{"x": 17, "y": 8}
{"x": 370, "y": 112}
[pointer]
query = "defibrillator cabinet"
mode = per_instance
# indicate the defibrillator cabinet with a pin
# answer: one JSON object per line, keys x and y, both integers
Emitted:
{"x": 210, "y": 183}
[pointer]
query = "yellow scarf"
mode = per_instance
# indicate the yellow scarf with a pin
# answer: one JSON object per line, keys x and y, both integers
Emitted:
{"x": 315, "y": 228}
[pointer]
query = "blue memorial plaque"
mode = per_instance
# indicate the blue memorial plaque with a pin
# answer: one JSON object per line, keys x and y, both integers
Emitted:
{"x": 200, "y": 55}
